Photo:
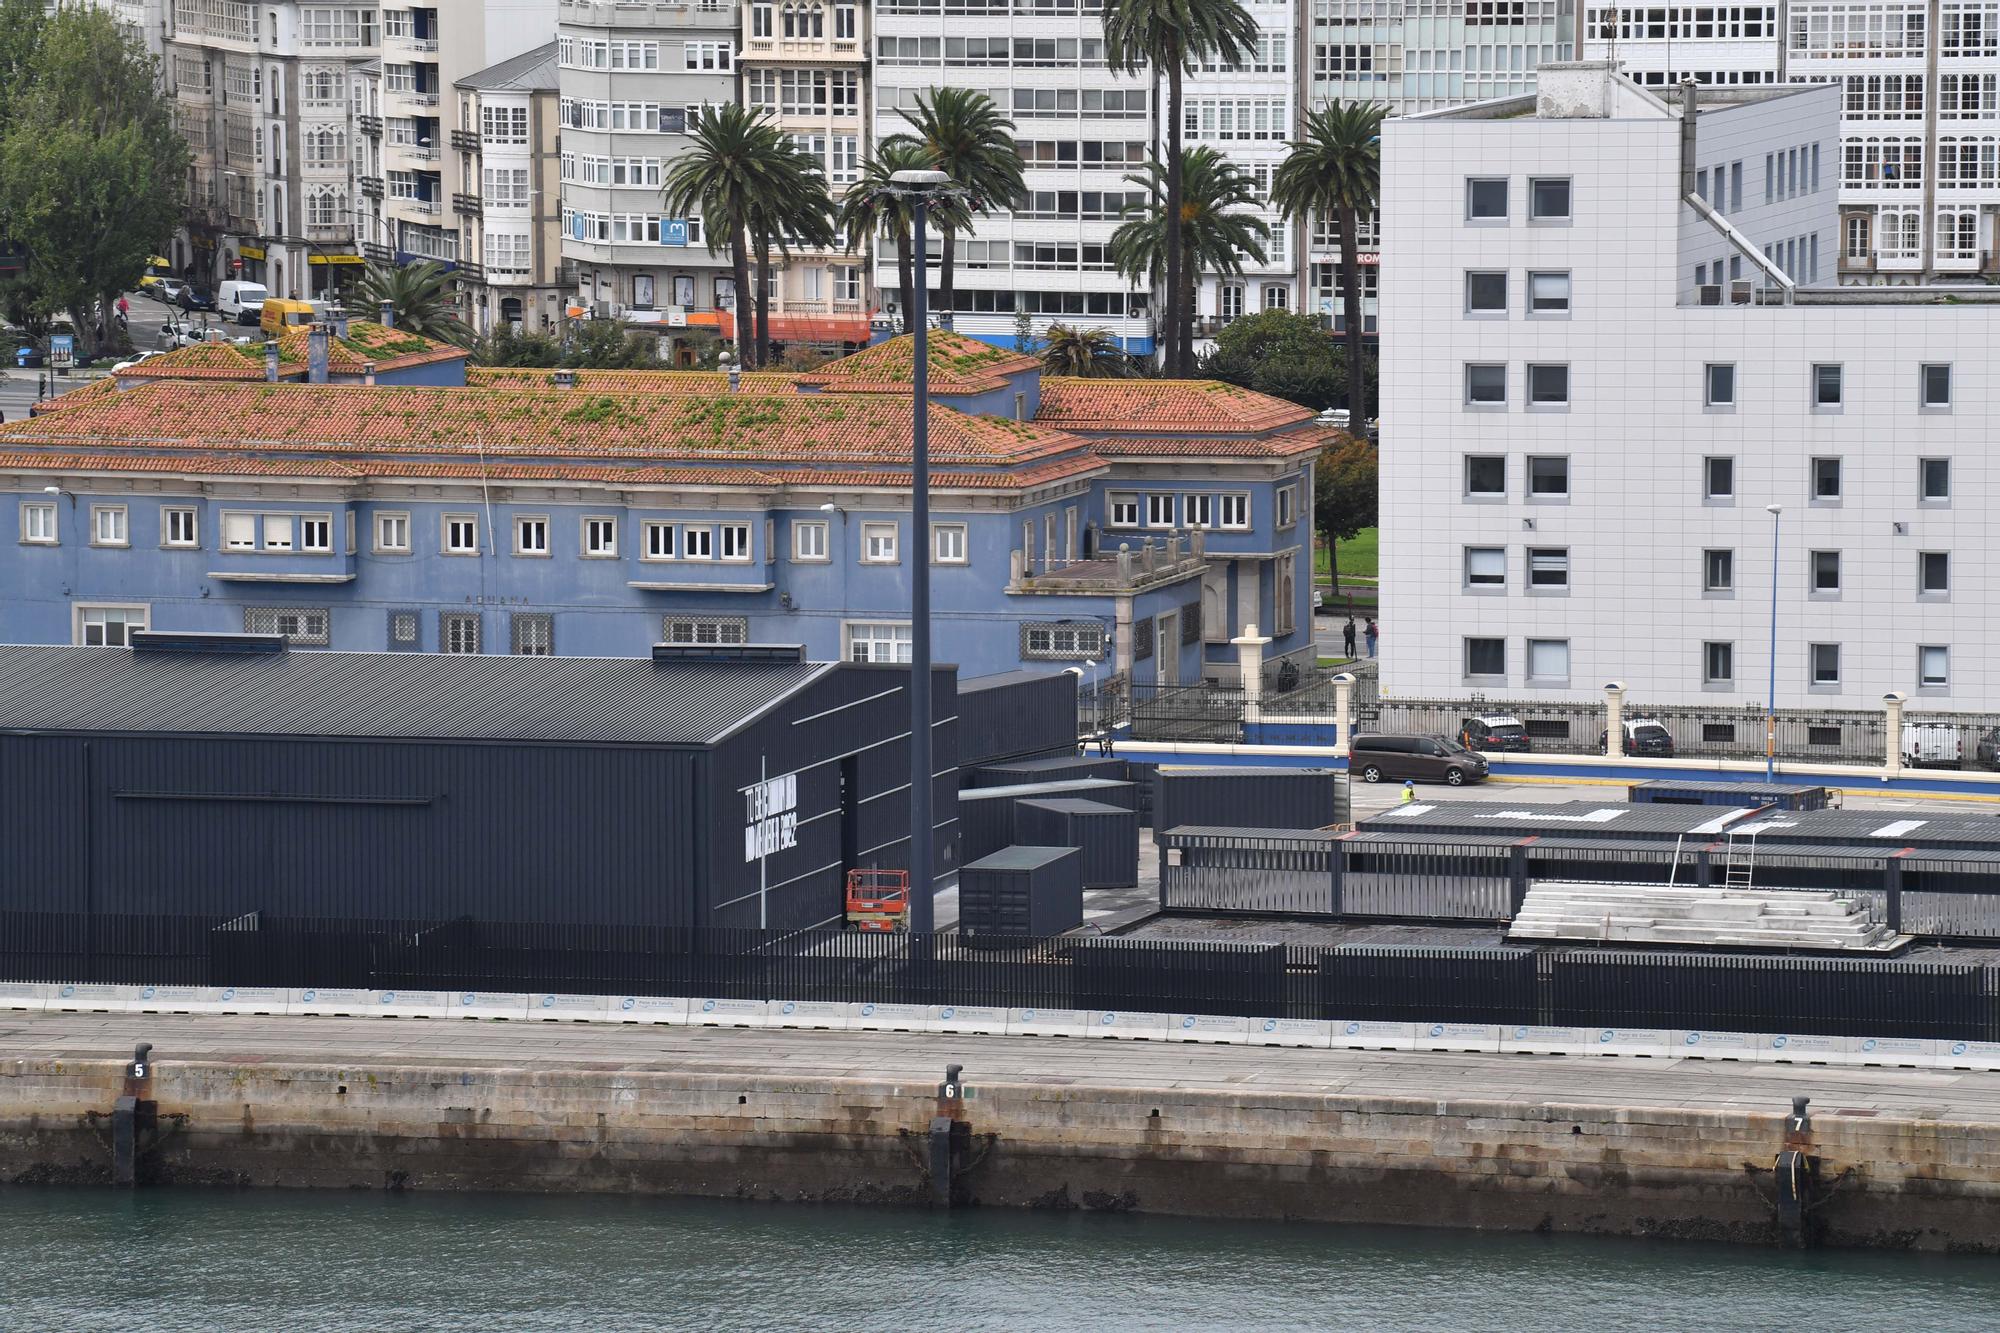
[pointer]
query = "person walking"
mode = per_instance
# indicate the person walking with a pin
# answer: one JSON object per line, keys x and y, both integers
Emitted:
{"x": 1373, "y": 635}
{"x": 1347, "y": 638}
{"x": 1409, "y": 792}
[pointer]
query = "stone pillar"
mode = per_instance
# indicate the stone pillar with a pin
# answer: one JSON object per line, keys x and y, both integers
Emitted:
{"x": 1614, "y": 718}
{"x": 1343, "y": 712}
{"x": 1892, "y": 731}
{"x": 1250, "y": 665}
{"x": 1122, "y": 628}
{"x": 1249, "y": 593}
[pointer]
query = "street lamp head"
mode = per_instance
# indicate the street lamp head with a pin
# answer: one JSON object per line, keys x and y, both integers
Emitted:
{"x": 1090, "y": 662}
{"x": 51, "y": 490}
{"x": 920, "y": 180}
{"x": 829, "y": 507}
{"x": 1774, "y": 510}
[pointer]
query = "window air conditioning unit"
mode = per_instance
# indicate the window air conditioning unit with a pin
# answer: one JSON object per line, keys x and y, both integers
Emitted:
{"x": 1710, "y": 293}
{"x": 1740, "y": 292}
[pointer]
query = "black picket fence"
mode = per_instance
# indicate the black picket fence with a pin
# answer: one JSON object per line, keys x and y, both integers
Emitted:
{"x": 1563, "y": 988}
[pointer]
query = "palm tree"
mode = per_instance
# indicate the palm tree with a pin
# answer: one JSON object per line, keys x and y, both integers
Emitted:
{"x": 420, "y": 297}
{"x": 1214, "y": 239}
{"x": 1335, "y": 170}
{"x": 1090, "y": 354}
{"x": 965, "y": 136}
{"x": 876, "y": 206}
{"x": 736, "y": 171}
{"x": 1170, "y": 35}
{"x": 804, "y": 214}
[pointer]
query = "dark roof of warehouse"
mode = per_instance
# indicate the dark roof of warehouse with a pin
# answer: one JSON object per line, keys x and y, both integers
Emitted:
{"x": 403, "y": 695}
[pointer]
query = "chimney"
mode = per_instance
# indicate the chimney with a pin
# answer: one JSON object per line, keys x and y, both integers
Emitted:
{"x": 340, "y": 323}
{"x": 1688, "y": 152}
{"x": 318, "y": 350}
{"x": 388, "y": 315}
{"x": 368, "y": 373}
{"x": 564, "y": 379}
{"x": 271, "y": 361}
{"x": 735, "y": 378}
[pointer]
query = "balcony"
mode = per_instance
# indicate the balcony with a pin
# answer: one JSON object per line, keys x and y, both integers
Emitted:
{"x": 371, "y": 187}
{"x": 1122, "y": 571}
{"x": 415, "y": 98}
{"x": 465, "y": 141}
{"x": 623, "y": 15}
{"x": 427, "y": 207}
{"x": 466, "y": 204}
{"x": 375, "y": 250}
{"x": 370, "y": 125}
{"x": 401, "y": 42}
{"x": 470, "y": 271}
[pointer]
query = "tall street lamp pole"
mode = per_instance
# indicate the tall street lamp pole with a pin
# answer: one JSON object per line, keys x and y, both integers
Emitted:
{"x": 1771, "y": 686}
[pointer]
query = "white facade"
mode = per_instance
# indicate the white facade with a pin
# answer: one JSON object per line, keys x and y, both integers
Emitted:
{"x": 505, "y": 146}
{"x": 1617, "y": 531}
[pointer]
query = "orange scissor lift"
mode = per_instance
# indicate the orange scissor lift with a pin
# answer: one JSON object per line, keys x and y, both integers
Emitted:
{"x": 878, "y": 899}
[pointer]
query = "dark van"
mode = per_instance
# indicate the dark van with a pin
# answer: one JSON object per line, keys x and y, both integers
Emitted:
{"x": 1420, "y": 758}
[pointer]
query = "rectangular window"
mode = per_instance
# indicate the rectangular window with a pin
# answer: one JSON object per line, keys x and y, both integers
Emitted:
{"x": 1718, "y": 570}
{"x": 1235, "y": 510}
{"x": 878, "y": 543}
{"x": 1548, "y": 199}
{"x": 1548, "y": 386}
{"x": 1937, "y": 386}
{"x": 1195, "y": 509}
{"x": 1548, "y": 659}
{"x": 735, "y": 541}
{"x": 878, "y": 642}
{"x": 1933, "y": 667}
{"x": 299, "y": 624}
{"x": 458, "y": 631}
{"x": 1933, "y": 571}
{"x": 533, "y": 633}
{"x": 1736, "y": 187}
{"x": 531, "y": 535}
{"x": 1548, "y": 567}
{"x": 316, "y": 533}
{"x": 1486, "y": 293}
{"x": 1124, "y": 510}
{"x": 1826, "y": 571}
{"x": 1548, "y": 293}
{"x": 1718, "y": 663}
{"x": 600, "y": 537}
{"x": 1486, "y": 199}
{"x": 1485, "y": 566}
{"x": 1934, "y": 479}
{"x": 1486, "y": 657}
{"x": 403, "y": 631}
{"x": 178, "y": 528}
{"x": 277, "y": 532}
{"x": 1721, "y": 382}
{"x": 392, "y": 533}
{"x": 1718, "y": 478}
{"x": 239, "y": 532}
{"x": 1063, "y": 640}
{"x": 1160, "y": 511}
{"x": 1548, "y": 475}
{"x": 809, "y": 542}
{"x": 1486, "y": 383}
{"x": 697, "y": 543}
{"x": 705, "y": 629}
{"x": 1826, "y": 387}
{"x": 948, "y": 544}
{"x": 1826, "y": 478}
{"x": 38, "y": 524}
{"x": 1485, "y": 474}
{"x": 109, "y": 626}
{"x": 107, "y": 526}
{"x": 461, "y": 534}
{"x": 659, "y": 538}
{"x": 1825, "y": 663}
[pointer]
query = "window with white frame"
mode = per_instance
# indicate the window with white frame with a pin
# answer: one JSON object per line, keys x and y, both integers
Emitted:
{"x": 1720, "y": 381}
{"x": 1548, "y": 386}
{"x": 108, "y": 526}
{"x": 600, "y": 536}
{"x": 658, "y": 539}
{"x": 458, "y": 631}
{"x": 706, "y": 55}
{"x": 392, "y": 533}
{"x": 1124, "y": 509}
{"x": 1933, "y": 572}
{"x": 878, "y": 543}
{"x": 1486, "y": 384}
{"x": 809, "y": 543}
{"x": 1486, "y": 658}
{"x": 531, "y": 534}
{"x": 1548, "y": 476}
{"x": 1936, "y": 386}
{"x": 697, "y": 543}
{"x": 1718, "y": 570}
{"x": 460, "y": 534}
{"x": 1718, "y": 662}
{"x": 735, "y": 541}
{"x": 1823, "y": 662}
{"x": 1062, "y": 641}
{"x": 298, "y": 624}
{"x": 1934, "y": 479}
{"x": 1548, "y": 659}
{"x": 1485, "y": 566}
{"x": 1486, "y": 292}
{"x": 878, "y": 641}
{"x": 1196, "y": 510}
{"x": 1548, "y": 199}
{"x": 38, "y": 523}
{"x": 533, "y": 633}
{"x": 1548, "y": 293}
{"x": 316, "y": 532}
{"x": 948, "y": 545}
{"x": 1160, "y": 510}
{"x": 503, "y": 124}
{"x": 178, "y": 527}
{"x": 109, "y": 626}
{"x": 1548, "y": 568}
{"x": 1486, "y": 475}
{"x": 1933, "y": 666}
{"x": 705, "y": 629}
{"x": 1234, "y": 510}
{"x": 1288, "y": 505}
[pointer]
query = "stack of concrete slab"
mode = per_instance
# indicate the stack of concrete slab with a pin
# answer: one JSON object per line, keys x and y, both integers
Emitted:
{"x": 1694, "y": 915}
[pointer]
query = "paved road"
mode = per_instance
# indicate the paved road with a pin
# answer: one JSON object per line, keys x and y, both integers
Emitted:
{"x": 1539, "y": 1079}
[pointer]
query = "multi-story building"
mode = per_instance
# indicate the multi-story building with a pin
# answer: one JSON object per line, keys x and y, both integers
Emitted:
{"x": 598, "y": 513}
{"x": 262, "y": 94}
{"x": 635, "y": 78}
{"x": 1920, "y": 111}
{"x": 808, "y": 65}
{"x": 506, "y": 144}
{"x": 1605, "y": 359}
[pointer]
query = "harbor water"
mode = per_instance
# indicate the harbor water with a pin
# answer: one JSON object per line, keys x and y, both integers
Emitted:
{"x": 296, "y": 1262}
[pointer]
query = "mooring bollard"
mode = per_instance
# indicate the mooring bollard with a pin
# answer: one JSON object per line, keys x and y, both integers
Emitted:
{"x": 950, "y": 1136}
{"x": 133, "y": 1114}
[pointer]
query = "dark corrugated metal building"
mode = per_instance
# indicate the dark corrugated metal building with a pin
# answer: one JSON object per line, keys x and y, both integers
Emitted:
{"x": 693, "y": 790}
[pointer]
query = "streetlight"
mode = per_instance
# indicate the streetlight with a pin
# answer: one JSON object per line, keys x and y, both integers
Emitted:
{"x": 921, "y": 188}
{"x": 1771, "y": 688}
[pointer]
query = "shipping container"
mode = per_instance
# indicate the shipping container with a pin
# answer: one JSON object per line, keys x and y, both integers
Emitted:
{"x": 1051, "y": 768}
{"x": 1107, "y": 835}
{"x": 1021, "y": 891}
{"x": 1697, "y": 825}
{"x": 1016, "y": 715}
{"x": 1778, "y": 795}
{"x": 986, "y": 814}
{"x": 1287, "y": 798}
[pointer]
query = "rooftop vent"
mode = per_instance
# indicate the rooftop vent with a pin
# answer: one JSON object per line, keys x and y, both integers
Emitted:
{"x": 185, "y": 641}
{"x": 728, "y": 652}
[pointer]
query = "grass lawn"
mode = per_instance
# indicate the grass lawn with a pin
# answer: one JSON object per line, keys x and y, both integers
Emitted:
{"x": 1361, "y": 557}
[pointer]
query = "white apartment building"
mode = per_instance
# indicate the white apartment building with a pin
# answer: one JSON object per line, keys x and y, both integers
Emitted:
{"x": 262, "y": 93}
{"x": 505, "y": 142}
{"x": 1604, "y": 358}
{"x": 1920, "y": 119}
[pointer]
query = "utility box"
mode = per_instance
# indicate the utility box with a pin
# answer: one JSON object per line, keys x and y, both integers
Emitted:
{"x": 1017, "y": 891}
{"x": 1781, "y": 795}
{"x": 1107, "y": 836}
{"x": 1286, "y": 798}
{"x": 986, "y": 814}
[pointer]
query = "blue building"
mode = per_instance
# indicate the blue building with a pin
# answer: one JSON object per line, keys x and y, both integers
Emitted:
{"x": 1139, "y": 525}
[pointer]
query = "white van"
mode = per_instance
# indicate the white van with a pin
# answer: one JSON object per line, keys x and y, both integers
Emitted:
{"x": 241, "y": 301}
{"x": 1933, "y": 744}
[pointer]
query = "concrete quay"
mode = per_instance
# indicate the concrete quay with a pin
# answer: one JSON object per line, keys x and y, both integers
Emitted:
{"x": 1670, "y": 1147}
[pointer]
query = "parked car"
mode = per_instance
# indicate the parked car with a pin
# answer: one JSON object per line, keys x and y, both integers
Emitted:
{"x": 1988, "y": 749}
{"x": 167, "y": 291}
{"x": 1418, "y": 758}
{"x": 1493, "y": 731}
{"x": 194, "y": 298}
{"x": 1643, "y": 735}
{"x": 241, "y": 301}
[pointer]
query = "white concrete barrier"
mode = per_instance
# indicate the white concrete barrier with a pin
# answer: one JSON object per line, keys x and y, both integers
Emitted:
{"x": 338, "y": 1002}
{"x": 1369, "y": 1034}
{"x": 548, "y": 1007}
{"x": 647, "y": 1009}
{"x": 1654, "y": 1042}
{"x": 178, "y": 1000}
{"x": 1316, "y": 1033}
{"x": 501, "y": 1005}
{"x": 1804, "y": 1048}
{"x": 1474, "y": 1037}
{"x": 1530, "y": 1040}
{"x": 1968, "y": 1055}
{"x": 1220, "y": 1028}
{"x": 1706, "y": 1045}
{"x": 968, "y": 1018}
{"x": 22, "y": 996}
{"x": 412, "y": 1004}
{"x": 1893, "y": 1052}
{"x": 829, "y": 1014}
{"x": 1047, "y": 1022}
{"x": 716, "y": 1013}
{"x": 86, "y": 998}
{"x": 1132, "y": 1025}
{"x": 266, "y": 1001}
{"x": 872, "y": 1017}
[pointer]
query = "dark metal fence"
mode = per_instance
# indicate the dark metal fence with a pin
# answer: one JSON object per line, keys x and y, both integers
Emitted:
{"x": 1698, "y": 732}
{"x": 1247, "y": 870}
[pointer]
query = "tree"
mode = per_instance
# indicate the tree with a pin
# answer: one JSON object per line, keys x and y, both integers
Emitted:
{"x": 1169, "y": 35}
{"x": 419, "y": 296}
{"x": 1344, "y": 494}
{"x": 965, "y": 136}
{"x": 92, "y": 169}
{"x": 1091, "y": 354}
{"x": 1213, "y": 239}
{"x": 876, "y": 206}
{"x": 606, "y": 344}
{"x": 1286, "y": 355}
{"x": 509, "y": 347}
{"x": 1335, "y": 170}
{"x": 804, "y": 214}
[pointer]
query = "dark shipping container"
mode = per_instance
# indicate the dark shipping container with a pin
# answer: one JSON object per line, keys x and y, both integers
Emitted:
{"x": 1107, "y": 836}
{"x": 1288, "y": 798}
{"x": 1784, "y": 796}
{"x": 1016, "y": 715}
{"x": 1016, "y": 891}
{"x": 1051, "y": 768}
{"x": 986, "y": 814}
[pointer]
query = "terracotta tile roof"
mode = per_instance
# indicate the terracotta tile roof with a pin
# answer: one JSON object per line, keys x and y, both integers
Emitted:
{"x": 1140, "y": 406}
{"x": 213, "y": 462}
{"x": 631, "y": 381}
{"x": 958, "y": 364}
{"x": 366, "y": 341}
{"x": 1285, "y": 444}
